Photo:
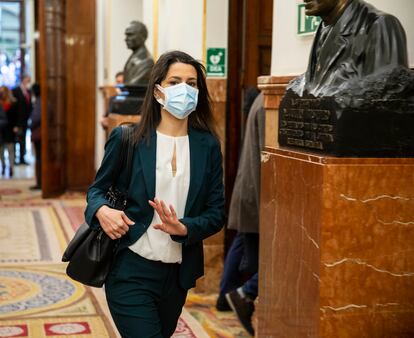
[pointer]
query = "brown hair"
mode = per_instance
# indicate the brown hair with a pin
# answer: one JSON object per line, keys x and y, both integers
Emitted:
{"x": 201, "y": 118}
{"x": 6, "y": 95}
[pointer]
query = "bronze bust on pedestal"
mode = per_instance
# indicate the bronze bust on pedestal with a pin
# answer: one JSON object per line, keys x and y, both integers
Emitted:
{"x": 137, "y": 70}
{"x": 139, "y": 65}
{"x": 356, "y": 96}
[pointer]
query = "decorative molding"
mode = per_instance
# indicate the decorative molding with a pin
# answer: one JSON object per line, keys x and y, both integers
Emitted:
{"x": 204, "y": 37}
{"x": 155, "y": 16}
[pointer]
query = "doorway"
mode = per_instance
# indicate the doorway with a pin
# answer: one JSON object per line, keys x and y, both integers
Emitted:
{"x": 249, "y": 56}
{"x": 16, "y": 60}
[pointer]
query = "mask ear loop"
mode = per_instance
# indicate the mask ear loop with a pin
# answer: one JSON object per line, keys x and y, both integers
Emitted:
{"x": 159, "y": 99}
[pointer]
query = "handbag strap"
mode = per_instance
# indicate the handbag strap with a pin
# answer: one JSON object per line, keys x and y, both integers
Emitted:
{"x": 125, "y": 155}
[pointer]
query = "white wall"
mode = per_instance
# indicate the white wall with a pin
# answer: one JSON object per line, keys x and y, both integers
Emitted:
{"x": 180, "y": 26}
{"x": 290, "y": 52}
{"x": 147, "y": 19}
{"x": 217, "y": 23}
{"x": 119, "y": 14}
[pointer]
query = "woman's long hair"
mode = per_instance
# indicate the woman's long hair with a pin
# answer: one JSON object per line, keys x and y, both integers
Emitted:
{"x": 201, "y": 118}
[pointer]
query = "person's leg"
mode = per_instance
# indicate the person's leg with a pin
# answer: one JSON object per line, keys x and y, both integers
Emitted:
{"x": 172, "y": 302}
{"x": 2, "y": 158}
{"x": 38, "y": 173}
{"x": 23, "y": 146}
{"x": 251, "y": 287}
{"x": 231, "y": 277}
{"x": 133, "y": 291}
{"x": 39, "y": 163}
{"x": 241, "y": 301}
{"x": 250, "y": 261}
{"x": 10, "y": 150}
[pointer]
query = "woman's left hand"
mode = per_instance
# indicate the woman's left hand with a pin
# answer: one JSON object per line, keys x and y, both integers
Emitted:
{"x": 170, "y": 223}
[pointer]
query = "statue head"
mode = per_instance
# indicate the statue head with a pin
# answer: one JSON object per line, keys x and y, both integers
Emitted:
{"x": 135, "y": 35}
{"x": 328, "y": 10}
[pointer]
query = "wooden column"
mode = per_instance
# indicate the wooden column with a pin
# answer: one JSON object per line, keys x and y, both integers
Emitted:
{"x": 81, "y": 93}
{"x": 53, "y": 95}
{"x": 68, "y": 82}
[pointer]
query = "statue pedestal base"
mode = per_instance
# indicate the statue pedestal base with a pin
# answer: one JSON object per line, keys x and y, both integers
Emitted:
{"x": 336, "y": 246}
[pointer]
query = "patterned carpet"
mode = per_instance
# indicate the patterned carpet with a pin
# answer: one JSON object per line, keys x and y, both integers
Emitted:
{"x": 37, "y": 299}
{"x": 216, "y": 324}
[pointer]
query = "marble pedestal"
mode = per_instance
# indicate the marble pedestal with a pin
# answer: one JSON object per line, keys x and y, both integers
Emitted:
{"x": 336, "y": 246}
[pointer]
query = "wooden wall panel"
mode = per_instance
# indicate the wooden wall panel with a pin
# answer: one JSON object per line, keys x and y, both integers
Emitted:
{"x": 81, "y": 93}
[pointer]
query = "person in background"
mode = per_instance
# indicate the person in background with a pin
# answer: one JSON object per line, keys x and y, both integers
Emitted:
{"x": 36, "y": 135}
{"x": 23, "y": 109}
{"x": 119, "y": 78}
{"x": 235, "y": 269}
{"x": 119, "y": 81}
{"x": 243, "y": 216}
{"x": 9, "y": 131}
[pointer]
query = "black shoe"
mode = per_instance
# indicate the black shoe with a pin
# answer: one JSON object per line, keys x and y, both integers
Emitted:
{"x": 243, "y": 307}
{"x": 222, "y": 304}
{"x": 35, "y": 187}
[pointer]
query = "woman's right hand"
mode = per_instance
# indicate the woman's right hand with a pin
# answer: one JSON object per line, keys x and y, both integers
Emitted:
{"x": 114, "y": 222}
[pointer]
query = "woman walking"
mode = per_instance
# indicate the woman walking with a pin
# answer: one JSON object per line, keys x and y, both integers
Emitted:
{"x": 175, "y": 200}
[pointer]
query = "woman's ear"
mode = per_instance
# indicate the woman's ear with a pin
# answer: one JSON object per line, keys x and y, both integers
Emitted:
{"x": 158, "y": 94}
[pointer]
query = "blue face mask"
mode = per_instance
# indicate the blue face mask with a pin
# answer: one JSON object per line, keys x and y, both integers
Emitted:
{"x": 180, "y": 100}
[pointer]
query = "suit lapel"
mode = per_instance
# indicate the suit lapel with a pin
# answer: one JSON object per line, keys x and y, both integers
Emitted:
{"x": 148, "y": 157}
{"x": 198, "y": 158}
{"x": 335, "y": 44}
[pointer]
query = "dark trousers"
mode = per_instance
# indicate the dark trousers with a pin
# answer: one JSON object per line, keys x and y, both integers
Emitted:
{"x": 144, "y": 296}
{"x": 241, "y": 260}
{"x": 251, "y": 287}
{"x": 38, "y": 164}
{"x": 21, "y": 140}
{"x": 232, "y": 277}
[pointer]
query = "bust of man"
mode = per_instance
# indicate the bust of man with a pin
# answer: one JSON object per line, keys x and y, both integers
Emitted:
{"x": 355, "y": 98}
{"x": 353, "y": 41}
{"x": 138, "y": 67}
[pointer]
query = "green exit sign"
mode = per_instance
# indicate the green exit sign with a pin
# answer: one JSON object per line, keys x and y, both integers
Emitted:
{"x": 307, "y": 24}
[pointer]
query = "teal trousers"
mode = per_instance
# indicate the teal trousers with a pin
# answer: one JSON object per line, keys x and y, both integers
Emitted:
{"x": 144, "y": 296}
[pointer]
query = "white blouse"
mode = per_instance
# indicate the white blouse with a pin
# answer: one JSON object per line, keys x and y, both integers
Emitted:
{"x": 155, "y": 244}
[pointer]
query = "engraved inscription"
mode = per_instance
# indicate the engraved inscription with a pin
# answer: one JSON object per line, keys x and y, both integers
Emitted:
{"x": 307, "y": 123}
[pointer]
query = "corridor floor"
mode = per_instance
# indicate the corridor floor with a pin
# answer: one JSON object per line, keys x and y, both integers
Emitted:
{"x": 38, "y": 300}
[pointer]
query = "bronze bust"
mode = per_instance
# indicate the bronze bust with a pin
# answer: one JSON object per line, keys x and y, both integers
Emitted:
{"x": 356, "y": 97}
{"x": 138, "y": 67}
{"x": 353, "y": 41}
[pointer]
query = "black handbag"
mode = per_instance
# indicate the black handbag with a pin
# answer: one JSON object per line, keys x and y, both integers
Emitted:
{"x": 91, "y": 251}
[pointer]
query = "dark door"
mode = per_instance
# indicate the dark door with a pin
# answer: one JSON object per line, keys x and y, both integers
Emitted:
{"x": 249, "y": 56}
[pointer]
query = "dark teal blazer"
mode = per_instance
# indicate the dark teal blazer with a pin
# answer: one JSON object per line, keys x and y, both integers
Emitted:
{"x": 204, "y": 210}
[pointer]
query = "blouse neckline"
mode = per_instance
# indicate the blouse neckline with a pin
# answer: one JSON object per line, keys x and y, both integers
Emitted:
{"x": 171, "y": 137}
